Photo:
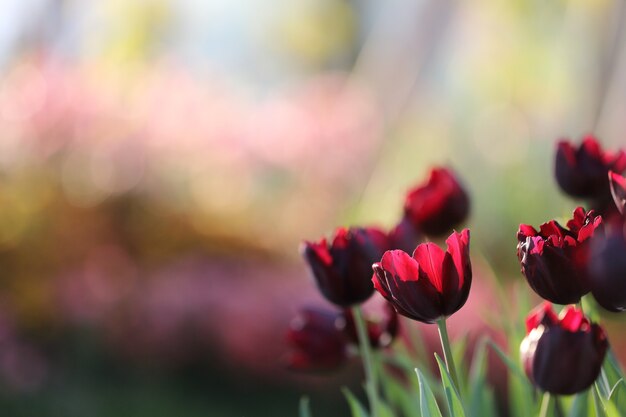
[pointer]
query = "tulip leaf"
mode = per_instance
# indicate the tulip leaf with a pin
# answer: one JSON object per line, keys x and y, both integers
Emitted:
{"x": 614, "y": 368}
{"x": 602, "y": 384}
{"x": 520, "y": 390}
{"x": 356, "y": 408}
{"x": 451, "y": 393}
{"x": 615, "y": 389}
{"x": 428, "y": 404}
{"x": 459, "y": 348}
{"x": 400, "y": 395}
{"x": 480, "y": 395}
{"x": 305, "y": 410}
{"x": 598, "y": 406}
{"x": 617, "y": 396}
{"x": 580, "y": 406}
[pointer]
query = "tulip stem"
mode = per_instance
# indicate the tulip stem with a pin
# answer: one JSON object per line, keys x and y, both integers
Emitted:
{"x": 545, "y": 404}
{"x": 367, "y": 357}
{"x": 447, "y": 352}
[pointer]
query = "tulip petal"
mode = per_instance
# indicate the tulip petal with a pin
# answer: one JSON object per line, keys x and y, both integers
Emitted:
{"x": 458, "y": 248}
{"x": 618, "y": 190}
{"x": 430, "y": 258}
{"x": 400, "y": 264}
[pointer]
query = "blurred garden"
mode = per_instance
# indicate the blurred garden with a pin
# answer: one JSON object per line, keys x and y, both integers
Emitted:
{"x": 161, "y": 162}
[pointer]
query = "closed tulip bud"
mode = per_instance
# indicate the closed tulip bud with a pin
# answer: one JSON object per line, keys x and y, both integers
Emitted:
{"x": 562, "y": 355}
{"x": 438, "y": 205}
{"x": 343, "y": 268}
{"x": 582, "y": 172}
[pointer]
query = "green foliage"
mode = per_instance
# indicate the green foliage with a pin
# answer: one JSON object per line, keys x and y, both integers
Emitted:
{"x": 428, "y": 403}
{"x": 453, "y": 399}
{"x": 356, "y": 408}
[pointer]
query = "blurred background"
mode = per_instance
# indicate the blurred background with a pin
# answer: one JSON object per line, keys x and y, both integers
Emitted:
{"x": 161, "y": 160}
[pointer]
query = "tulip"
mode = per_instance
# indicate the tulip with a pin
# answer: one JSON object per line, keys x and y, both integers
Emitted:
{"x": 404, "y": 236}
{"x": 438, "y": 205}
{"x": 607, "y": 267}
{"x": 618, "y": 191}
{"x": 554, "y": 260}
{"x": 429, "y": 285}
{"x": 342, "y": 269}
{"x": 583, "y": 172}
{"x": 562, "y": 355}
{"x": 317, "y": 342}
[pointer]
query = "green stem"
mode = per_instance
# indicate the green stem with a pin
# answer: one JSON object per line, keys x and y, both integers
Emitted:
{"x": 447, "y": 352}
{"x": 371, "y": 385}
{"x": 545, "y": 404}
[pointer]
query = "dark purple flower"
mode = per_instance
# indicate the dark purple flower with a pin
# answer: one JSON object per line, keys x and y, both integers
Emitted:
{"x": 582, "y": 172}
{"x": 381, "y": 332}
{"x": 562, "y": 355}
{"x": 607, "y": 267}
{"x": 429, "y": 285}
{"x": 554, "y": 260}
{"x": 618, "y": 191}
{"x": 316, "y": 342}
{"x": 437, "y": 205}
{"x": 343, "y": 269}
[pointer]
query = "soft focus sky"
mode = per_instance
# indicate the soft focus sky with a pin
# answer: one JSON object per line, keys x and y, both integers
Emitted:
{"x": 161, "y": 161}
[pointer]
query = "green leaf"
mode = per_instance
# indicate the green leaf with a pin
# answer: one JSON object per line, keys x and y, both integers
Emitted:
{"x": 459, "y": 348}
{"x": 481, "y": 401}
{"x": 356, "y": 408}
{"x": 522, "y": 401}
{"x": 400, "y": 395}
{"x": 428, "y": 404}
{"x": 305, "y": 410}
{"x": 619, "y": 386}
{"x": 580, "y": 406}
{"x": 384, "y": 410}
{"x": 598, "y": 407}
{"x": 452, "y": 395}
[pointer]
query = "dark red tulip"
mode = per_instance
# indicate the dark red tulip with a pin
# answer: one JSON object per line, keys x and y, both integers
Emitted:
{"x": 562, "y": 355}
{"x": 316, "y": 341}
{"x": 343, "y": 269}
{"x": 554, "y": 260}
{"x": 607, "y": 267}
{"x": 404, "y": 236}
{"x": 618, "y": 191}
{"x": 429, "y": 285}
{"x": 381, "y": 332}
{"x": 582, "y": 172}
{"x": 438, "y": 205}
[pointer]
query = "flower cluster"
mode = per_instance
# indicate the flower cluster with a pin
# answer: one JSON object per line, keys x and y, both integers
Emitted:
{"x": 564, "y": 355}
{"x": 561, "y": 354}
{"x": 355, "y": 261}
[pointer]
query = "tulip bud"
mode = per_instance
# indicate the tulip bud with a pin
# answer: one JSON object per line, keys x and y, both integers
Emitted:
{"x": 343, "y": 269}
{"x": 438, "y": 205}
{"x": 582, "y": 172}
{"x": 562, "y": 355}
